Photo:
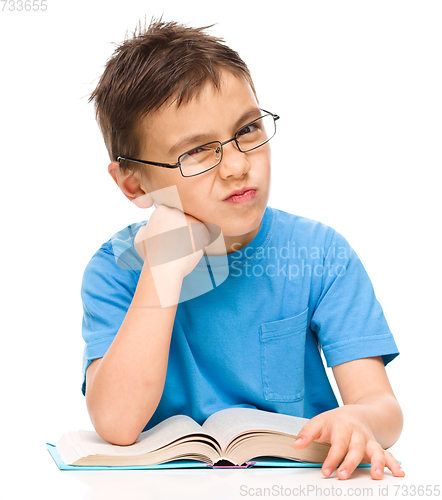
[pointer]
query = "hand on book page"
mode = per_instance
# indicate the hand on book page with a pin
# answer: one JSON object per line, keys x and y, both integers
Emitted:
{"x": 352, "y": 441}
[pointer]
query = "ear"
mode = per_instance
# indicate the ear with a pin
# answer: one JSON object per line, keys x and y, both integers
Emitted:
{"x": 130, "y": 185}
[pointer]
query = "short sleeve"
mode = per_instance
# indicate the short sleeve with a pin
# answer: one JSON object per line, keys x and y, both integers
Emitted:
{"x": 107, "y": 291}
{"x": 347, "y": 317}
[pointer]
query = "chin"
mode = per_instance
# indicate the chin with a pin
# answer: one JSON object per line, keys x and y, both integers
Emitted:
{"x": 234, "y": 224}
{"x": 240, "y": 227}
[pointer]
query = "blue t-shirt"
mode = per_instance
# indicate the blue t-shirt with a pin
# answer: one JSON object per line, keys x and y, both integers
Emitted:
{"x": 255, "y": 339}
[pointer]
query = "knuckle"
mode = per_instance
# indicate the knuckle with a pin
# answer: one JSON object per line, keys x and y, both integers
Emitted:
{"x": 373, "y": 447}
{"x": 357, "y": 447}
{"x": 340, "y": 442}
{"x": 351, "y": 461}
{"x": 356, "y": 452}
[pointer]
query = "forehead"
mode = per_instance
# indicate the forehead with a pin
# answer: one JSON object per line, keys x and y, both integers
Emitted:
{"x": 210, "y": 113}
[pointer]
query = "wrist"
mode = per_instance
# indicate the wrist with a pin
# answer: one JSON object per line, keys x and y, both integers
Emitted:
{"x": 383, "y": 416}
{"x": 154, "y": 292}
{"x": 160, "y": 285}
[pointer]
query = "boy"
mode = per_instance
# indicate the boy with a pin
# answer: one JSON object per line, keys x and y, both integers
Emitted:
{"x": 293, "y": 285}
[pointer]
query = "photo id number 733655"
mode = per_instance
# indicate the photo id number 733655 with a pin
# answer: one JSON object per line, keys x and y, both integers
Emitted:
{"x": 412, "y": 490}
{"x": 24, "y": 5}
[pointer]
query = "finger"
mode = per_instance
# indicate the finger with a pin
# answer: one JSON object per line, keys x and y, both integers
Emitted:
{"x": 355, "y": 454}
{"x": 393, "y": 465}
{"x": 338, "y": 450}
{"x": 376, "y": 455}
{"x": 312, "y": 430}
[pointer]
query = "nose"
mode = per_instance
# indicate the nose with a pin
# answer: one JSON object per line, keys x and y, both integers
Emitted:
{"x": 234, "y": 163}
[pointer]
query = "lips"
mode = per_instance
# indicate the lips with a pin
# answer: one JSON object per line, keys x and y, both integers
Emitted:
{"x": 239, "y": 191}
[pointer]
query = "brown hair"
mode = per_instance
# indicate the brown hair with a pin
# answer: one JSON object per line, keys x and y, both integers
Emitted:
{"x": 163, "y": 61}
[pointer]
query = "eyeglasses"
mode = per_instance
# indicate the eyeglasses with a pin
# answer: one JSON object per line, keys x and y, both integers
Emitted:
{"x": 209, "y": 155}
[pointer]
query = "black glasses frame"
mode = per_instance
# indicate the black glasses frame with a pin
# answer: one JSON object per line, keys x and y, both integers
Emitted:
{"x": 221, "y": 144}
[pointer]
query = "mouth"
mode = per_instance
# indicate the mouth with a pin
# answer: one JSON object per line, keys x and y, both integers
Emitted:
{"x": 241, "y": 196}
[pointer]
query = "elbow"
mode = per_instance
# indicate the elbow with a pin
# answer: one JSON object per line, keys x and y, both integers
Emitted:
{"x": 115, "y": 429}
{"x": 119, "y": 439}
{"x": 119, "y": 435}
{"x": 115, "y": 421}
{"x": 394, "y": 426}
{"x": 400, "y": 422}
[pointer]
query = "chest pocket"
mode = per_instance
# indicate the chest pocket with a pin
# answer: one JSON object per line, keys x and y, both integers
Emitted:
{"x": 283, "y": 358}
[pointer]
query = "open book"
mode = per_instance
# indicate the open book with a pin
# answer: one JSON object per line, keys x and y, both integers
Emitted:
{"x": 228, "y": 437}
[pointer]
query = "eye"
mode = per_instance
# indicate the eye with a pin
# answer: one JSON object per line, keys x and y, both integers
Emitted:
{"x": 247, "y": 129}
{"x": 197, "y": 153}
{"x": 194, "y": 151}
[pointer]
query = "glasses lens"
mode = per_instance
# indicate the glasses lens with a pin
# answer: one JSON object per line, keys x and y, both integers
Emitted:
{"x": 200, "y": 159}
{"x": 256, "y": 134}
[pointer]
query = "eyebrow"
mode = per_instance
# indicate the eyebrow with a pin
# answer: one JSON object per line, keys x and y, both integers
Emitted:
{"x": 201, "y": 138}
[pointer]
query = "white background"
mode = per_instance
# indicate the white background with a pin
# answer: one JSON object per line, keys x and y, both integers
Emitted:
{"x": 358, "y": 88}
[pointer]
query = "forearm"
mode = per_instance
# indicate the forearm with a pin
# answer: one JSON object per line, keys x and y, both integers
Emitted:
{"x": 384, "y": 417}
{"x": 128, "y": 383}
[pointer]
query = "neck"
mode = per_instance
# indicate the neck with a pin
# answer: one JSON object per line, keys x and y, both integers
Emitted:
{"x": 236, "y": 243}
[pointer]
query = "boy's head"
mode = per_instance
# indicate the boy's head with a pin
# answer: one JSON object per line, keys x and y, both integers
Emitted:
{"x": 168, "y": 90}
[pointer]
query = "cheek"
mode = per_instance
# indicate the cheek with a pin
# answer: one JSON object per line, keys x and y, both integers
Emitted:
{"x": 263, "y": 164}
{"x": 174, "y": 192}
{"x": 154, "y": 179}
{"x": 194, "y": 199}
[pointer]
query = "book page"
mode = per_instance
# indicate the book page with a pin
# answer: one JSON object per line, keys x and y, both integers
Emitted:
{"x": 78, "y": 444}
{"x": 224, "y": 425}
